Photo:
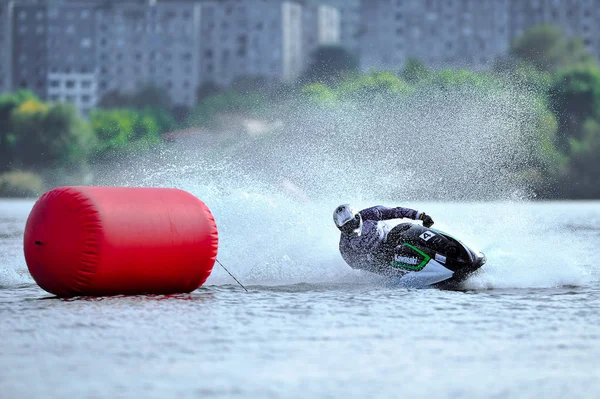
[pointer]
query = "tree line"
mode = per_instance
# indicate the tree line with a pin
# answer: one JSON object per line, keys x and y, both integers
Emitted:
{"x": 562, "y": 76}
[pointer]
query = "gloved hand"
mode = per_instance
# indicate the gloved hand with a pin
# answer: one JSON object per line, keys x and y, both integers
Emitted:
{"x": 427, "y": 220}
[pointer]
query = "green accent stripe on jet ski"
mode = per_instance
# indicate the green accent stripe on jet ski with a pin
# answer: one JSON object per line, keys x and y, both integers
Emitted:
{"x": 418, "y": 267}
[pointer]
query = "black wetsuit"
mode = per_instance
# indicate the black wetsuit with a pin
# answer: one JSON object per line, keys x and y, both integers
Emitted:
{"x": 369, "y": 250}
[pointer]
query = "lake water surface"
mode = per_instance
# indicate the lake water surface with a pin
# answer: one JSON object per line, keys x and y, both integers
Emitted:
{"x": 526, "y": 326}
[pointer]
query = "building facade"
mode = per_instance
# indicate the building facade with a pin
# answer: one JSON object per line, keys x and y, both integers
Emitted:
{"x": 80, "y": 50}
{"x": 464, "y": 33}
{"x": 258, "y": 38}
{"x": 30, "y": 50}
{"x": 321, "y": 26}
{"x": 438, "y": 32}
{"x": 5, "y": 45}
{"x": 149, "y": 43}
{"x": 351, "y": 24}
{"x": 71, "y": 54}
{"x": 574, "y": 17}
{"x": 53, "y": 51}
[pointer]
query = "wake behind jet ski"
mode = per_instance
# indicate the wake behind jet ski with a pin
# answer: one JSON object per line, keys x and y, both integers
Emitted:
{"x": 410, "y": 253}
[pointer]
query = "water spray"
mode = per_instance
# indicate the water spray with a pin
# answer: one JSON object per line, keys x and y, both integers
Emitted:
{"x": 236, "y": 280}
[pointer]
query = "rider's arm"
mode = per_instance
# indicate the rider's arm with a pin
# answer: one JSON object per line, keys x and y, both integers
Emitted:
{"x": 384, "y": 213}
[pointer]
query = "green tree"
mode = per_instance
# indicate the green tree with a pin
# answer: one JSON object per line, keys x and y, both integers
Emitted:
{"x": 451, "y": 79}
{"x": 319, "y": 94}
{"x": 49, "y": 136}
{"x": 415, "y": 71}
{"x": 205, "y": 113}
{"x": 250, "y": 84}
{"x": 375, "y": 84}
{"x": 147, "y": 97}
{"x": 8, "y": 102}
{"x": 122, "y": 130}
{"x": 207, "y": 89}
{"x": 330, "y": 65}
{"x": 582, "y": 179}
{"x": 545, "y": 47}
{"x": 575, "y": 97}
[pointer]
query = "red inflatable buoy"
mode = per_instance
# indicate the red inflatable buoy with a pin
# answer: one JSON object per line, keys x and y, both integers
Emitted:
{"x": 119, "y": 240}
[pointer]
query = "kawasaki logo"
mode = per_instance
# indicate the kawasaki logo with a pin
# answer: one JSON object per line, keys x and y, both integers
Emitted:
{"x": 409, "y": 260}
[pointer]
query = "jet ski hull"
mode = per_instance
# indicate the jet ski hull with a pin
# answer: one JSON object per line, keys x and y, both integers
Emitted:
{"x": 421, "y": 256}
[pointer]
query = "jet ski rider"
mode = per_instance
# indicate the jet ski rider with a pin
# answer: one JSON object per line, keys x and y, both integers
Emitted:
{"x": 364, "y": 241}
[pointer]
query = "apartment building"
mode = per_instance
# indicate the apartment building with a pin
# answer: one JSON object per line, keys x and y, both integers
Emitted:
{"x": 149, "y": 43}
{"x": 30, "y": 37}
{"x": 464, "y": 33}
{"x": 52, "y": 50}
{"x": 351, "y": 23}
{"x": 249, "y": 39}
{"x": 80, "y": 50}
{"x": 71, "y": 54}
{"x": 439, "y": 32}
{"x": 321, "y": 26}
{"x": 575, "y": 17}
{"x": 5, "y": 45}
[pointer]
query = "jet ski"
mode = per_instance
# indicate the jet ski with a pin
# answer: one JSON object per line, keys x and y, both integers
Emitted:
{"x": 421, "y": 256}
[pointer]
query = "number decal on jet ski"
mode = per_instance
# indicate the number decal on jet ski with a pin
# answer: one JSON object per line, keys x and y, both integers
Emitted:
{"x": 427, "y": 235}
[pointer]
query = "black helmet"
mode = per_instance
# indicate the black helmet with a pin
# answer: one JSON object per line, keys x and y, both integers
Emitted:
{"x": 347, "y": 219}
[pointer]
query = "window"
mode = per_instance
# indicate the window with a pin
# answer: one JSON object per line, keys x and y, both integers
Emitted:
{"x": 86, "y": 42}
{"x": 86, "y": 99}
{"x": 86, "y": 84}
{"x": 70, "y": 84}
{"x": 54, "y": 83}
